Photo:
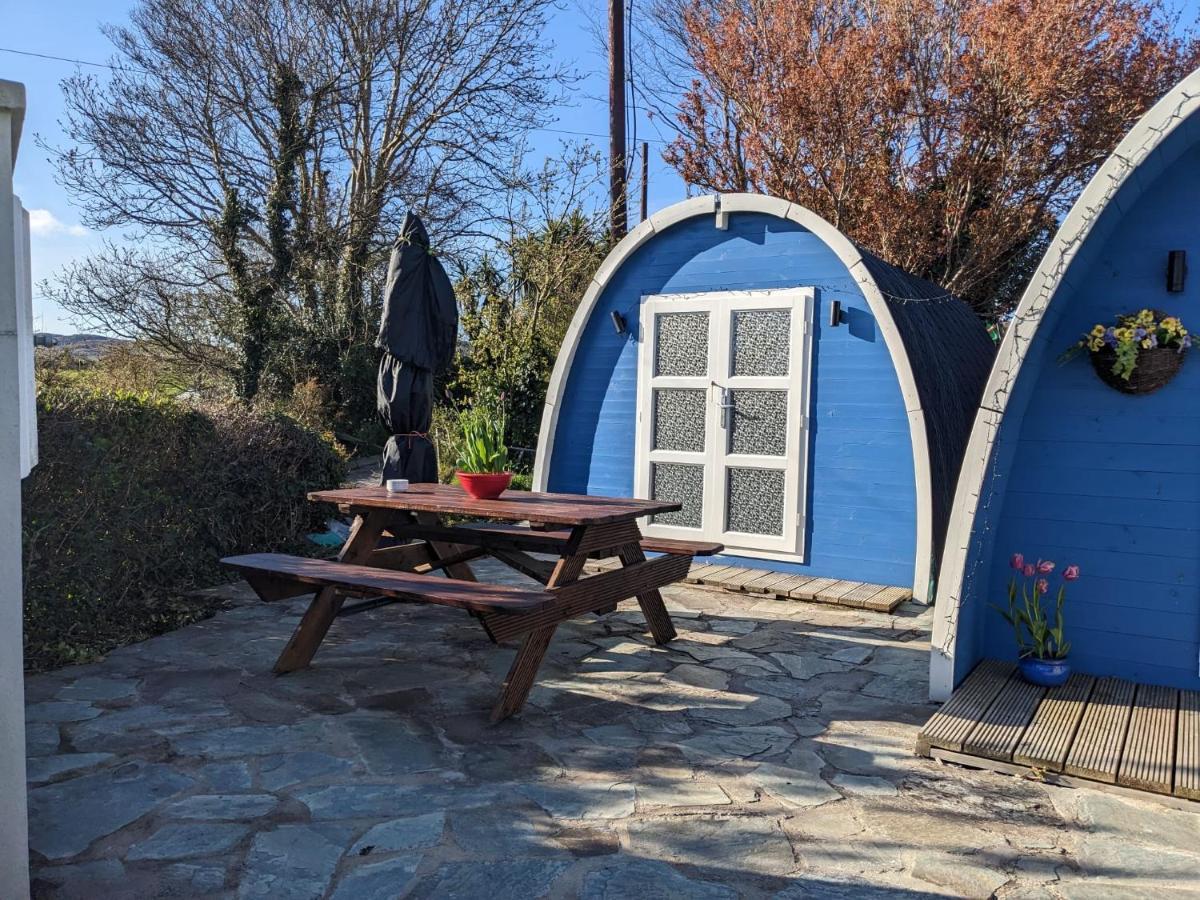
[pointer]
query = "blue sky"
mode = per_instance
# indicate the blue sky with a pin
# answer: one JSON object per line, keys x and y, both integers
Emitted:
{"x": 71, "y": 28}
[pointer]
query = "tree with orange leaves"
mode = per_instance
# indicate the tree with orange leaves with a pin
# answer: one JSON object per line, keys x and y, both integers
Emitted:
{"x": 947, "y": 136}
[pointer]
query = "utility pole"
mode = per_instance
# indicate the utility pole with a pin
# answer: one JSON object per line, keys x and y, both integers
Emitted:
{"x": 618, "y": 173}
{"x": 645, "y": 176}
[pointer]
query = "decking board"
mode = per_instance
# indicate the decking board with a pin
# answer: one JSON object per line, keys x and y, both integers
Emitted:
{"x": 861, "y": 594}
{"x": 1114, "y": 734}
{"x": 786, "y": 585}
{"x": 888, "y": 599}
{"x": 1049, "y": 736}
{"x": 835, "y": 592}
{"x": 997, "y": 733}
{"x": 1187, "y": 751}
{"x": 950, "y": 725}
{"x": 1149, "y": 755}
{"x": 699, "y": 570}
{"x": 789, "y": 584}
{"x": 763, "y": 583}
{"x": 734, "y": 581}
{"x": 1101, "y": 736}
{"x": 809, "y": 590}
{"x": 717, "y": 574}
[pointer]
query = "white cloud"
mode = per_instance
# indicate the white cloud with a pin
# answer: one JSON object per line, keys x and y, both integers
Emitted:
{"x": 44, "y": 223}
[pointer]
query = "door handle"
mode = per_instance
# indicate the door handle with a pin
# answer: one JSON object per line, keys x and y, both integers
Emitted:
{"x": 726, "y": 406}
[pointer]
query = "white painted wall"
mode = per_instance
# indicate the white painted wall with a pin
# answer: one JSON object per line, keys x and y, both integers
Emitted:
{"x": 17, "y": 453}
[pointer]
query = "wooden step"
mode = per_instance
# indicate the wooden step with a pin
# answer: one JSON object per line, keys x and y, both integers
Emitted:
{"x": 786, "y": 585}
{"x": 1133, "y": 739}
{"x": 474, "y": 596}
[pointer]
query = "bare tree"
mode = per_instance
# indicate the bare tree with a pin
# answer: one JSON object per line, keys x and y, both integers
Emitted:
{"x": 261, "y": 155}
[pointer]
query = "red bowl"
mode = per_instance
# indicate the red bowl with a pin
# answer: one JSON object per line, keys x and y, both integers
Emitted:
{"x": 484, "y": 486}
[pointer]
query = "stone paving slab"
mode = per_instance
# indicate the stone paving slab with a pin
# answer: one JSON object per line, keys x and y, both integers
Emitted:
{"x": 766, "y": 753}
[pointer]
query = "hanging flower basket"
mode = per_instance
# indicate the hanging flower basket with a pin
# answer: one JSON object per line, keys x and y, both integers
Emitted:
{"x": 1138, "y": 354}
{"x": 1155, "y": 367}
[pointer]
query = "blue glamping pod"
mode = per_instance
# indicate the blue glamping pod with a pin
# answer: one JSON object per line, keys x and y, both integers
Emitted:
{"x": 805, "y": 402}
{"x": 1064, "y": 467}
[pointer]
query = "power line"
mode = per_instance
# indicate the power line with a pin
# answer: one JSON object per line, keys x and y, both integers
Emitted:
{"x": 100, "y": 65}
{"x": 78, "y": 62}
{"x": 591, "y": 134}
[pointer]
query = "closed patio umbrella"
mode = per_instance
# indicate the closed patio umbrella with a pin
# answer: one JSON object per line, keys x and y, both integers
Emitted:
{"x": 417, "y": 333}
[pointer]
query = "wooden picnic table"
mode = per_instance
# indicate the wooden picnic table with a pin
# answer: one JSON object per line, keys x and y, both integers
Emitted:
{"x": 400, "y": 545}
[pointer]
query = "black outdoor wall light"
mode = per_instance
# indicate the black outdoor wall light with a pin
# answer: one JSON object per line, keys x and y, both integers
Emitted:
{"x": 618, "y": 321}
{"x": 835, "y": 314}
{"x": 1176, "y": 270}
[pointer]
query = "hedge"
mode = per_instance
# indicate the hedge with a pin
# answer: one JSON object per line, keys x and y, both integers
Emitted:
{"x": 135, "y": 499}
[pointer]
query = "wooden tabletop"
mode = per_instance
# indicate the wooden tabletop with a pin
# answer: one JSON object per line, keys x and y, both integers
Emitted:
{"x": 512, "y": 506}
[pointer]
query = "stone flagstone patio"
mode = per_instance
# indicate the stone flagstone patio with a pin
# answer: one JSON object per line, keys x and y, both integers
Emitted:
{"x": 767, "y": 752}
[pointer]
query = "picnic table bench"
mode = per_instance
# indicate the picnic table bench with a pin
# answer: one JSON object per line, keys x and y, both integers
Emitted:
{"x": 400, "y": 549}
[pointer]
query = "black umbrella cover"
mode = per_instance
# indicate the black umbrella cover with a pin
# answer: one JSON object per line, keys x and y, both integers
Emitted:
{"x": 420, "y": 315}
{"x": 410, "y": 456}
{"x": 404, "y": 395}
{"x": 418, "y": 334}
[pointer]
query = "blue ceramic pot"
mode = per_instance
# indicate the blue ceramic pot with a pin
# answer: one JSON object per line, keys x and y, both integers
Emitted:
{"x": 1046, "y": 672}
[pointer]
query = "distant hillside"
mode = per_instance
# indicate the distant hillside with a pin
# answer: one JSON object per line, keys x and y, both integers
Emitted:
{"x": 88, "y": 346}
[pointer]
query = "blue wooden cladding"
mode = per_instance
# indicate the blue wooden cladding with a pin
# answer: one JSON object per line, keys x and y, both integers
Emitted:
{"x": 862, "y": 492}
{"x": 1080, "y": 473}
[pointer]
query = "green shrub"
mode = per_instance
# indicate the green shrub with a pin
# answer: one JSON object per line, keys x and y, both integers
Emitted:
{"x": 136, "y": 498}
{"x": 447, "y": 438}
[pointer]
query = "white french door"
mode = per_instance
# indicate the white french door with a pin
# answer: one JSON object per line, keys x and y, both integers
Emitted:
{"x": 723, "y": 390}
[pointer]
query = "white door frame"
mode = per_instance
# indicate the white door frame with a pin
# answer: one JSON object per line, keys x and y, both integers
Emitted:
{"x": 720, "y": 306}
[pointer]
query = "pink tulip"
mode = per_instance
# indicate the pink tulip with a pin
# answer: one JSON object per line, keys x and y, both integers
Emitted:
{"x": 1017, "y": 561}
{"x": 1028, "y": 571}
{"x": 1043, "y": 586}
{"x": 1070, "y": 573}
{"x": 1045, "y": 567}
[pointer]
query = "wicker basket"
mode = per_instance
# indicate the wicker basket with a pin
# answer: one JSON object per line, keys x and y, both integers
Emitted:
{"x": 1154, "y": 369}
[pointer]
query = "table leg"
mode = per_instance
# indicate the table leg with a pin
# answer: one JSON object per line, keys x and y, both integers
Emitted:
{"x": 522, "y": 673}
{"x": 651, "y": 602}
{"x": 364, "y": 537}
{"x": 524, "y": 669}
{"x": 567, "y": 570}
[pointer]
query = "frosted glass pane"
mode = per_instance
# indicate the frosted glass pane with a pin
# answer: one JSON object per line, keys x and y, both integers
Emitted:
{"x": 754, "y": 501}
{"x": 682, "y": 348}
{"x": 759, "y": 423}
{"x": 761, "y": 341}
{"x": 679, "y": 484}
{"x": 679, "y": 419}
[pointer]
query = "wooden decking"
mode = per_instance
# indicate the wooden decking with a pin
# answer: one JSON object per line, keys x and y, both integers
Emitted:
{"x": 783, "y": 586}
{"x": 1106, "y": 730}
